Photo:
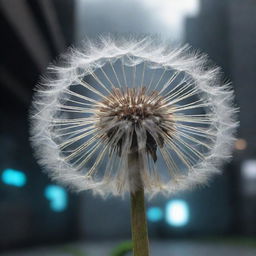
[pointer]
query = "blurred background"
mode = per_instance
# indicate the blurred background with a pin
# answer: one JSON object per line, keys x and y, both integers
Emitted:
{"x": 38, "y": 217}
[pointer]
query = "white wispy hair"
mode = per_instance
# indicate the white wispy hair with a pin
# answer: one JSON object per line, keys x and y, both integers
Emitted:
{"x": 113, "y": 97}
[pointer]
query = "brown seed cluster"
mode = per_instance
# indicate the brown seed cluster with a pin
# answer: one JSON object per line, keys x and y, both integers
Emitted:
{"x": 134, "y": 105}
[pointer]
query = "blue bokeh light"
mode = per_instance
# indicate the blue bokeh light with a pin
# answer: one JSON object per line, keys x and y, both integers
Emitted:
{"x": 154, "y": 214}
{"x": 14, "y": 177}
{"x": 177, "y": 213}
{"x": 57, "y": 196}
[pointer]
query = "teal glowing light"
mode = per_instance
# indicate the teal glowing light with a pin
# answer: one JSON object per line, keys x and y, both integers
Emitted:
{"x": 154, "y": 214}
{"x": 14, "y": 177}
{"x": 177, "y": 213}
{"x": 57, "y": 196}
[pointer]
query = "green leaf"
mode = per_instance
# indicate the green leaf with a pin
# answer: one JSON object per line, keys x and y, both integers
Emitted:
{"x": 122, "y": 249}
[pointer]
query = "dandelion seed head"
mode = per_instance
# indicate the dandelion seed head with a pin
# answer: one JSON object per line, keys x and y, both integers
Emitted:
{"x": 114, "y": 98}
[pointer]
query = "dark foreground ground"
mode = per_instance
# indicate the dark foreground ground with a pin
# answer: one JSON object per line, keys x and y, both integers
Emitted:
{"x": 166, "y": 248}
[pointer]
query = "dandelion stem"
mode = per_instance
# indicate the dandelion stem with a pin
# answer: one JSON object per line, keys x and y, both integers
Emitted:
{"x": 138, "y": 213}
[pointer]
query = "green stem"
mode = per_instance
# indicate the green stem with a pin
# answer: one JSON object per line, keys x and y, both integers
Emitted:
{"x": 138, "y": 211}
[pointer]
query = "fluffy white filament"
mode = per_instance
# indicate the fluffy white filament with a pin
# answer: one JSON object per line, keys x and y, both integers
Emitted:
{"x": 112, "y": 98}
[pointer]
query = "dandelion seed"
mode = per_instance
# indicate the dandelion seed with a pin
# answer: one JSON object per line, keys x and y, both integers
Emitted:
{"x": 114, "y": 100}
{"x": 133, "y": 117}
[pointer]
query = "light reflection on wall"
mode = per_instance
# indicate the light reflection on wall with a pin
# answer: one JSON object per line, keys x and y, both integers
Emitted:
{"x": 172, "y": 13}
{"x": 161, "y": 17}
{"x": 154, "y": 214}
{"x": 57, "y": 197}
{"x": 14, "y": 177}
{"x": 177, "y": 213}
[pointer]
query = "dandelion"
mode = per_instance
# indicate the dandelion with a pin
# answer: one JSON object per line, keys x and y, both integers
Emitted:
{"x": 135, "y": 117}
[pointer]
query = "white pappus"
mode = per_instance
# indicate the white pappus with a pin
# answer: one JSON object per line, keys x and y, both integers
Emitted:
{"x": 115, "y": 98}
